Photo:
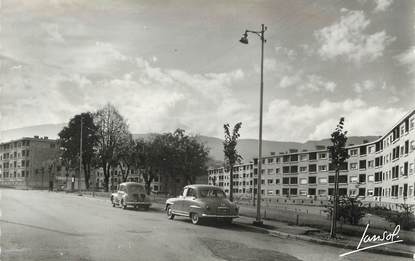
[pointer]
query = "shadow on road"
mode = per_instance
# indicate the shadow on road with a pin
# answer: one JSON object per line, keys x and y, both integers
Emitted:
{"x": 41, "y": 228}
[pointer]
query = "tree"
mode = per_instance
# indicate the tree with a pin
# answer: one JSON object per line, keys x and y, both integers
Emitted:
{"x": 126, "y": 156}
{"x": 70, "y": 139}
{"x": 339, "y": 155}
{"x": 231, "y": 155}
{"x": 111, "y": 130}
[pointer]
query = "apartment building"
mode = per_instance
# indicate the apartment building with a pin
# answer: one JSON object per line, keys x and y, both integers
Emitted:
{"x": 381, "y": 171}
{"x": 28, "y": 162}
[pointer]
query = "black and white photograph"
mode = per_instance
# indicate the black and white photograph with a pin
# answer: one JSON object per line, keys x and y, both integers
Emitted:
{"x": 237, "y": 130}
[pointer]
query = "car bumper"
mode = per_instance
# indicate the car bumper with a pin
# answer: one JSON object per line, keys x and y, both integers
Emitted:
{"x": 138, "y": 203}
{"x": 219, "y": 216}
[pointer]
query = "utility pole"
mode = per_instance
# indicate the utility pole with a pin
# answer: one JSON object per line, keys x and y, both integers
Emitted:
{"x": 80, "y": 159}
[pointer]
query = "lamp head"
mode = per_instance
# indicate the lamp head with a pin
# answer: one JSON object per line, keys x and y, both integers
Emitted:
{"x": 244, "y": 38}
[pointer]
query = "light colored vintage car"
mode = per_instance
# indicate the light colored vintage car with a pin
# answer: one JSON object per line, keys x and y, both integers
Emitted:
{"x": 130, "y": 194}
{"x": 202, "y": 202}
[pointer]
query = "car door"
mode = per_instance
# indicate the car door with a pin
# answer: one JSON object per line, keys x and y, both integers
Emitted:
{"x": 178, "y": 204}
{"x": 189, "y": 200}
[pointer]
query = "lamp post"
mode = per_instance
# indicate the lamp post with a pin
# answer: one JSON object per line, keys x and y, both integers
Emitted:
{"x": 244, "y": 40}
{"x": 80, "y": 160}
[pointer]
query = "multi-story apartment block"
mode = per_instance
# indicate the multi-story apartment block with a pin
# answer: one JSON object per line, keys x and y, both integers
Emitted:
{"x": 26, "y": 162}
{"x": 381, "y": 171}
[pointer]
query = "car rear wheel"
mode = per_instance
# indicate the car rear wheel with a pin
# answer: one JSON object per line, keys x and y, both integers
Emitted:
{"x": 195, "y": 218}
{"x": 169, "y": 212}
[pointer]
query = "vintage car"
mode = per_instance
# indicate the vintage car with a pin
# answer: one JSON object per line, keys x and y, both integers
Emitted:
{"x": 202, "y": 202}
{"x": 130, "y": 194}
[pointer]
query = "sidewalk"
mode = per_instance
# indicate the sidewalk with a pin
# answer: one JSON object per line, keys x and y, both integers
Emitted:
{"x": 283, "y": 230}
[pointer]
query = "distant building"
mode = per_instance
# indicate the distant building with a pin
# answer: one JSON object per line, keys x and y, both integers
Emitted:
{"x": 381, "y": 171}
{"x": 28, "y": 162}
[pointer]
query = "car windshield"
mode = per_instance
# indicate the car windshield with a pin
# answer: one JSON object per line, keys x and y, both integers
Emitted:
{"x": 136, "y": 189}
{"x": 211, "y": 193}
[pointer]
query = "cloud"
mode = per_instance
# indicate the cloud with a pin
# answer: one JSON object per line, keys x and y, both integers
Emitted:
{"x": 284, "y": 120}
{"x": 52, "y": 32}
{"x": 290, "y": 53}
{"x": 408, "y": 58}
{"x": 382, "y": 5}
{"x": 310, "y": 82}
{"x": 347, "y": 39}
{"x": 152, "y": 99}
{"x": 367, "y": 85}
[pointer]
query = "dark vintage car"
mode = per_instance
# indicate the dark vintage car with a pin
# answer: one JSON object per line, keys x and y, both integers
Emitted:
{"x": 130, "y": 194}
{"x": 202, "y": 202}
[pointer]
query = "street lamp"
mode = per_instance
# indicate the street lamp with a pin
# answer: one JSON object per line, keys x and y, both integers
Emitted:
{"x": 80, "y": 160}
{"x": 244, "y": 40}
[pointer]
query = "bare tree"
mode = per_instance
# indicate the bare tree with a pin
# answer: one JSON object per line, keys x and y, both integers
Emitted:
{"x": 111, "y": 130}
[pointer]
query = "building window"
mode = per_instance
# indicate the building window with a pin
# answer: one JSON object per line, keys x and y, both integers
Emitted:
{"x": 303, "y": 181}
{"x": 312, "y": 168}
{"x": 342, "y": 178}
{"x": 293, "y": 191}
{"x": 303, "y": 169}
{"x": 312, "y": 180}
{"x": 293, "y": 180}
{"x": 303, "y": 192}
{"x": 322, "y": 156}
{"x": 285, "y": 191}
{"x": 303, "y": 157}
{"x": 362, "y": 164}
{"x": 362, "y": 178}
{"x": 285, "y": 180}
{"x": 322, "y": 168}
{"x": 370, "y": 164}
{"x": 353, "y": 153}
{"x": 322, "y": 180}
{"x": 353, "y": 166}
{"x": 371, "y": 149}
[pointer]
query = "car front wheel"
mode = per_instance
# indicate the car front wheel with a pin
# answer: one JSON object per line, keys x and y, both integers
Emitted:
{"x": 124, "y": 206}
{"x": 170, "y": 214}
{"x": 195, "y": 218}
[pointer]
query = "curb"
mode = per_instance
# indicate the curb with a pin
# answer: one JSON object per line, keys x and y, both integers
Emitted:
{"x": 284, "y": 235}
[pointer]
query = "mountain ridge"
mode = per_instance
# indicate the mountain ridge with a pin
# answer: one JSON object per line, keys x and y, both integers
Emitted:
{"x": 248, "y": 148}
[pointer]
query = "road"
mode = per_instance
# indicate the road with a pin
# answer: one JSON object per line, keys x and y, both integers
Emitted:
{"x": 40, "y": 225}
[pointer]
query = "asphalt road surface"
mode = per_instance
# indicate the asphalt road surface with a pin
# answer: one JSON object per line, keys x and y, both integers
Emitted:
{"x": 40, "y": 225}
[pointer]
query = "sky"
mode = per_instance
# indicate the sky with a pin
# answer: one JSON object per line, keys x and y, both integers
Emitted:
{"x": 179, "y": 64}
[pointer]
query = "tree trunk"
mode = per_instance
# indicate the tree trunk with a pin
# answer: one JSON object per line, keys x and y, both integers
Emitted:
{"x": 231, "y": 184}
{"x": 86, "y": 175}
{"x": 333, "y": 229}
{"x": 106, "y": 176}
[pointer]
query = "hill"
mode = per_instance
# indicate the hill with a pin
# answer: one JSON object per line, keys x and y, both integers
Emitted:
{"x": 248, "y": 148}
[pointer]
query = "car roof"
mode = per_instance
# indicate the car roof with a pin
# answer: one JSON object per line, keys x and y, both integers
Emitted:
{"x": 196, "y": 186}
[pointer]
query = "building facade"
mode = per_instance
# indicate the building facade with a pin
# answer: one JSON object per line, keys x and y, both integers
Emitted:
{"x": 381, "y": 171}
{"x": 28, "y": 162}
